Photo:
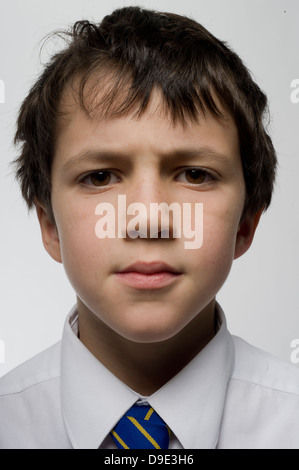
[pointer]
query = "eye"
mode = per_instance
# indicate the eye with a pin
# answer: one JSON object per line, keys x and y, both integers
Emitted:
{"x": 196, "y": 176}
{"x": 99, "y": 178}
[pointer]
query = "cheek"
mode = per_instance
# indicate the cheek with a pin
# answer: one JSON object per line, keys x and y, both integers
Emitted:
{"x": 84, "y": 256}
{"x": 212, "y": 262}
{"x": 220, "y": 236}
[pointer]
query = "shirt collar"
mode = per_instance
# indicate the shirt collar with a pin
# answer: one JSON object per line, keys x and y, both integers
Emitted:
{"x": 191, "y": 403}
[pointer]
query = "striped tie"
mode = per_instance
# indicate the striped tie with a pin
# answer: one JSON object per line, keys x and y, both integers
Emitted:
{"x": 141, "y": 428}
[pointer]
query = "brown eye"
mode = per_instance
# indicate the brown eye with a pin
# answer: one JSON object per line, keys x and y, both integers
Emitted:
{"x": 196, "y": 176}
{"x": 100, "y": 178}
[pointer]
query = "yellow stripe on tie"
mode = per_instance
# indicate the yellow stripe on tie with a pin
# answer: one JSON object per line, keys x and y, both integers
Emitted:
{"x": 144, "y": 432}
{"x": 120, "y": 440}
{"x": 149, "y": 414}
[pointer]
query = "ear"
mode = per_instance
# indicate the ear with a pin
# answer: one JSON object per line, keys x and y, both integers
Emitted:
{"x": 246, "y": 233}
{"x": 49, "y": 233}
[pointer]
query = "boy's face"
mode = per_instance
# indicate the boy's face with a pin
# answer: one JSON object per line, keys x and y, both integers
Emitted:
{"x": 149, "y": 161}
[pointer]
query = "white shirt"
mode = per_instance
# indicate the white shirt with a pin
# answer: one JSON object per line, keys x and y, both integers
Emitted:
{"x": 231, "y": 395}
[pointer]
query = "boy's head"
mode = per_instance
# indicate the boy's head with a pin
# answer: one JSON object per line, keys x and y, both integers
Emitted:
{"x": 153, "y": 107}
{"x": 130, "y": 54}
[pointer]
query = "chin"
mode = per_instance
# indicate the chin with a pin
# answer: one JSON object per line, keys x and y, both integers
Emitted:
{"x": 148, "y": 332}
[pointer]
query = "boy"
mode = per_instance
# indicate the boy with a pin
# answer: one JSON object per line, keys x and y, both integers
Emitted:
{"x": 142, "y": 110}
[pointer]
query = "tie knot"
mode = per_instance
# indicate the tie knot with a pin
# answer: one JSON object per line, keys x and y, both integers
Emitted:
{"x": 141, "y": 428}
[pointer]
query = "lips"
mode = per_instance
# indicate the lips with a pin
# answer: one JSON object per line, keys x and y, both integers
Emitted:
{"x": 144, "y": 275}
{"x": 150, "y": 268}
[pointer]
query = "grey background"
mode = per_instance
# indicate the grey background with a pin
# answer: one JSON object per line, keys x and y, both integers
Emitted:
{"x": 260, "y": 296}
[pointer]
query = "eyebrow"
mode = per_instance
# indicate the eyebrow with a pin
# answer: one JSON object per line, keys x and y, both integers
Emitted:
{"x": 89, "y": 156}
{"x": 99, "y": 156}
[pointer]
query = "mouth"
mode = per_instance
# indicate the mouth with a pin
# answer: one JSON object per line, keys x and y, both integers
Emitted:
{"x": 144, "y": 275}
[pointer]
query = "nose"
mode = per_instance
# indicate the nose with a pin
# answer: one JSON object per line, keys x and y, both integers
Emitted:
{"x": 149, "y": 209}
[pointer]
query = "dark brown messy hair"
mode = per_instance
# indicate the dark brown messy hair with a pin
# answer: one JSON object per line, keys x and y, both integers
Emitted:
{"x": 129, "y": 54}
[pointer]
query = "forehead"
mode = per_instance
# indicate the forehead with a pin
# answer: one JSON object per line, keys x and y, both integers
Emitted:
{"x": 78, "y": 130}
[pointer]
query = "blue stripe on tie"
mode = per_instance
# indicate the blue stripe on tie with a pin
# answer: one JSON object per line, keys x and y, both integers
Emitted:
{"x": 139, "y": 433}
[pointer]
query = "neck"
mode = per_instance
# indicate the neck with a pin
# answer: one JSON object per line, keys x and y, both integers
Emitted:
{"x": 145, "y": 367}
